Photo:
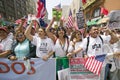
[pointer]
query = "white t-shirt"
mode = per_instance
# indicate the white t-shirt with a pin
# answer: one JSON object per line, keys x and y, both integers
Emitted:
{"x": 95, "y": 45}
{"x": 6, "y": 44}
{"x": 71, "y": 48}
{"x": 60, "y": 50}
{"x": 43, "y": 46}
{"x": 116, "y": 46}
{"x": 10, "y": 35}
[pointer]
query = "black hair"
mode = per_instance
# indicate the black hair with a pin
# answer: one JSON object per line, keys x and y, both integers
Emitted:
{"x": 90, "y": 27}
{"x": 61, "y": 28}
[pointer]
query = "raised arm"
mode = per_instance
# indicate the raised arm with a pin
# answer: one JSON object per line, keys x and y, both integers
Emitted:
{"x": 28, "y": 31}
{"x": 114, "y": 38}
{"x": 49, "y": 34}
{"x": 20, "y": 27}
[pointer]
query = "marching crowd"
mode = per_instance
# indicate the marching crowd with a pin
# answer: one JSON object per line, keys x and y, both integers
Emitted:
{"x": 62, "y": 42}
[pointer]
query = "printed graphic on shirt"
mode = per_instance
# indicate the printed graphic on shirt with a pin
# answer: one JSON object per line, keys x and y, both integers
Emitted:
{"x": 96, "y": 46}
{"x": 43, "y": 48}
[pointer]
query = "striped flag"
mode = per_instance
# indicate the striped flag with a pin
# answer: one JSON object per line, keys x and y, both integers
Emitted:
{"x": 70, "y": 20}
{"x": 41, "y": 9}
{"x": 58, "y": 7}
{"x": 94, "y": 64}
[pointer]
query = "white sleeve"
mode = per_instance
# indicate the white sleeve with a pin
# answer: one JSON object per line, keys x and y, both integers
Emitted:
{"x": 116, "y": 46}
{"x": 83, "y": 45}
{"x": 9, "y": 45}
{"x": 34, "y": 41}
{"x": 70, "y": 48}
{"x": 106, "y": 39}
{"x": 51, "y": 44}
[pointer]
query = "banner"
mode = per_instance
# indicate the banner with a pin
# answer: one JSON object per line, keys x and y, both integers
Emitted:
{"x": 16, "y": 70}
{"x": 79, "y": 72}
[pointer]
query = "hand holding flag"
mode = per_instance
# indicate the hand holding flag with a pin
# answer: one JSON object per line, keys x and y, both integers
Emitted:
{"x": 94, "y": 63}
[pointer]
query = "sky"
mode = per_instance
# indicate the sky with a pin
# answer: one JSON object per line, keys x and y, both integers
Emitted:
{"x": 52, "y": 3}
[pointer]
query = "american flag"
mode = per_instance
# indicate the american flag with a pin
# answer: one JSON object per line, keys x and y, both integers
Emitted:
{"x": 70, "y": 20}
{"x": 42, "y": 23}
{"x": 94, "y": 64}
{"x": 41, "y": 9}
{"x": 58, "y": 7}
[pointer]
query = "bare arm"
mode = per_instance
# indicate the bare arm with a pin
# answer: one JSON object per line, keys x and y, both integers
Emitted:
{"x": 5, "y": 53}
{"x": 46, "y": 57}
{"x": 20, "y": 27}
{"x": 114, "y": 38}
{"x": 37, "y": 26}
{"x": 28, "y": 32}
{"x": 74, "y": 52}
{"x": 50, "y": 35}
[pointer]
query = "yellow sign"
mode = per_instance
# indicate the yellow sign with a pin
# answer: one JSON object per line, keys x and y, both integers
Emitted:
{"x": 88, "y": 3}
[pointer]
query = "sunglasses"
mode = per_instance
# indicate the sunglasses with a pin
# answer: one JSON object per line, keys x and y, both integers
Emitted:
{"x": 19, "y": 35}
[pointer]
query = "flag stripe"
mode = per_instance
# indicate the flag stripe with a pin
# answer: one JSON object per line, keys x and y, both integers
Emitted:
{"x": 41, "y": 9}
{"x": 70, "y": 20}
{"x": 93, "y": 65}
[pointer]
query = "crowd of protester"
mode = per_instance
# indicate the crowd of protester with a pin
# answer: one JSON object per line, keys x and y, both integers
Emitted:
{"x": 39, "y": 42}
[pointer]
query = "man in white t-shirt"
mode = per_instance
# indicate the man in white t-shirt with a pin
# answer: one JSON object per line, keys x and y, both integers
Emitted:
{"x": 96, "y": 42}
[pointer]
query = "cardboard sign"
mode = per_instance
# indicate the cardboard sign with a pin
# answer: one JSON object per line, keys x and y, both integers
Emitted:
{"x": 80, "y": 19}
{"x": 79, "y": 72}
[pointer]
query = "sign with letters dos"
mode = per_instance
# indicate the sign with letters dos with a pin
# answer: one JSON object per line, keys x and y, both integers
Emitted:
{"x": 17, "y": 70}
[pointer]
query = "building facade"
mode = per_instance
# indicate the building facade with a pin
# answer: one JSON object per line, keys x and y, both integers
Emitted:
{"x": 92, "y": 8}
{"x": 65, "y": 11}
{"x": 75, "y": 5}
{"x": 11, "y": 10}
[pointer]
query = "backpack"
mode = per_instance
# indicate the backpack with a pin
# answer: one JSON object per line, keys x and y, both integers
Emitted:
{"x": 88, "y": 40}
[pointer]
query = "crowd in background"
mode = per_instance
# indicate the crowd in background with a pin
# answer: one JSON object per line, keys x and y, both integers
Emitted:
{"x": 22, "y": 42}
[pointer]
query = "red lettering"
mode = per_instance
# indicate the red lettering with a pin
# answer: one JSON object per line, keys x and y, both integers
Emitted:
{"x": 7, "y": 68}
{"x": 32, "y": 71}
{"x": 16, "y": 71}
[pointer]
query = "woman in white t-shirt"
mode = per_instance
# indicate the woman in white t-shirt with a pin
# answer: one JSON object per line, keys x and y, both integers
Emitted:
{"x": 75, "y": 41}
{"x": 44, "y": 45}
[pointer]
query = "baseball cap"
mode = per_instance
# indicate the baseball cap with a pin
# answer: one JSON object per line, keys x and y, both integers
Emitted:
{"x": 4, "y": 29}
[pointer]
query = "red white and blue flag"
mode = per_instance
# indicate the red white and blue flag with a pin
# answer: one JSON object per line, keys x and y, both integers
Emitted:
{"x": 70, "y": 20}
{"x": 94, "y": 64}
{"x": 58, "y": 7}
{"x": 41, "y": 9}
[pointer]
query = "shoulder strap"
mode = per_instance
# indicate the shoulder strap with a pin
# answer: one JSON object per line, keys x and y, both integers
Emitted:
{"x": 87, "y": 44}
{"x": 101, "y": 39}
{"x": 67, "y": 44}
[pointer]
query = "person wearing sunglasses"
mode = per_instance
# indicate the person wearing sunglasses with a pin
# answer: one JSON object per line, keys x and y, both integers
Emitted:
{"x": 75, "y": 41}
{"x": 22, "y": 49}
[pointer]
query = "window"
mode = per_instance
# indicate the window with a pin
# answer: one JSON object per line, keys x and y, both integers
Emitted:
{"x": 1, "y": 3}
{"x": 96, "y": 13}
